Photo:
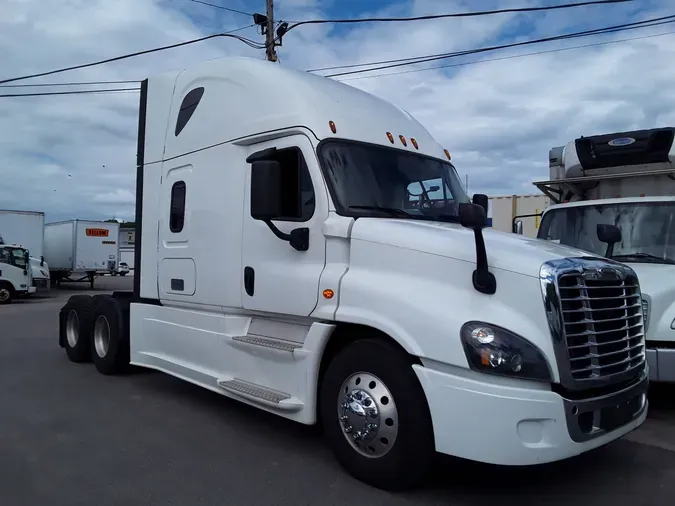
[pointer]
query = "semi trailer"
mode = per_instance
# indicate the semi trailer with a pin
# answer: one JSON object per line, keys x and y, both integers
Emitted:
{"x": 81, "y": 250}
{"x": 356, "y": 286}
{"x": 627, "y": 180}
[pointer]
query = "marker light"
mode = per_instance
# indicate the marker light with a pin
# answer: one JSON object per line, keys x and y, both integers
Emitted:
{"x": 414, "y": 143}
{"x": 447, "y": 153}
{"x": 332, "y": 127}
{"x": 390, "y": 137}
{"x": 328, "y": 293}
{"x": 402, "y": 140}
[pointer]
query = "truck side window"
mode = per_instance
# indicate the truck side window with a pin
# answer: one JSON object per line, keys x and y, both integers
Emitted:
{"x": 177, "y": 212}
{"x": 297, "y": 190}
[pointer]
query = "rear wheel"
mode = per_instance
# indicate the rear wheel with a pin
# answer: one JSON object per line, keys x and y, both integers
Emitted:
{"x": 109, "y": 340}
{"x": 375, "y": 415}
{"x": 80, "y": 312}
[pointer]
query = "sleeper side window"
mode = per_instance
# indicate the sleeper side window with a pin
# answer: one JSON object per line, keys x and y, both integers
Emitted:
{"x": 177, "y": 211}
{"x": 297, "y": 190}
{"x": 187, "y": 108}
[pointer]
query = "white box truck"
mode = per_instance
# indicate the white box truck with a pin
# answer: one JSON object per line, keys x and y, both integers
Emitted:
{"x": 15, "y": 272}
{"x": 309, "y": 249}
{"x": 624, "y": 180}
{"x": 80, "y": 250}
{"x": 26, "y": 228}
{"x": 507, "y": 207}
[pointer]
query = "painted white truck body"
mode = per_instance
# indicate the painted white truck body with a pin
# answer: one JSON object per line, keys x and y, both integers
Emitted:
{"x": 81, "y": 247}
{"x": 270, "y": 323}
{"x": 26, "y": 228}
{"x": 628, "y": 182}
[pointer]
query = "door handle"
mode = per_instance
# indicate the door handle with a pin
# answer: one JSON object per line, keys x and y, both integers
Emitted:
{"x": 249, "y": 280}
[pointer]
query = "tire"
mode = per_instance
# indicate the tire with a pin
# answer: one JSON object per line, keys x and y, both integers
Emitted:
{"x": 6, "y": 293}
{"x": 123, "y": 273}
{"x": 80, "y": 312}
{"x": 109, "y": 340}
{"x": 404, "y": 443}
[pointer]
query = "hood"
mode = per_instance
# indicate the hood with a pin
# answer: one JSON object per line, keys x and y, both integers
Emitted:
{"x": 506, "y": 251}
{"x": 656, "y": 282}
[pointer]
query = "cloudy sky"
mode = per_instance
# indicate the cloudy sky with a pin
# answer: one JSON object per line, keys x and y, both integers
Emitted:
{"x": 73, "y": 156}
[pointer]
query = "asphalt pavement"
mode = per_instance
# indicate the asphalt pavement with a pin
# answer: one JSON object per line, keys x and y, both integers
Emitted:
{"x": 70, "y": 436}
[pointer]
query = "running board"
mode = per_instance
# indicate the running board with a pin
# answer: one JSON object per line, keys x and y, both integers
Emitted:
{"x": 266, "y": 342}
{"x": 261, "y": 395}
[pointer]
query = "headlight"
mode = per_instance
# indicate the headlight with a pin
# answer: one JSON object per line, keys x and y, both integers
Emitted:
{"x": 646, "y": 299}
{"x": 495, "y": 350}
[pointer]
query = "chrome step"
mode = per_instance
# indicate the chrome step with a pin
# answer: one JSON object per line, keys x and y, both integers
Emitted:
{"x": 260, "y": 394}
{"x": 267, "y": 342}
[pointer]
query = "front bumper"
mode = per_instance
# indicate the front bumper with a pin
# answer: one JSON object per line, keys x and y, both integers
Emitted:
{"x": 661, "y": 364}
{"x": 506, "y": 425}
{"x": 41, "y": 283}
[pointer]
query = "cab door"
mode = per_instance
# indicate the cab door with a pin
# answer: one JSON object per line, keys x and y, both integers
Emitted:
{"x": 277, "y": 278}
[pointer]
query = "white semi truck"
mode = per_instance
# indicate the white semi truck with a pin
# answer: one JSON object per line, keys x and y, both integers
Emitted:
{"x": 356, "y": 286}
{"x": 26, "y": 228}
{"x": 627, "y": 180}
{"x": 81, "y": 250}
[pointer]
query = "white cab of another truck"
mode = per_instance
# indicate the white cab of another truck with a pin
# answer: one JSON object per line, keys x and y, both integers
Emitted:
{"x": 356, "y": 285}
{"x": 626, "y": 180}
{"x": 16, "y": 278}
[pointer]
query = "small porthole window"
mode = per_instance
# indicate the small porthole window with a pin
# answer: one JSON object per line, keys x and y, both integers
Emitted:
{"x": 187, "y": 108}
{"x": 177, "y": 212}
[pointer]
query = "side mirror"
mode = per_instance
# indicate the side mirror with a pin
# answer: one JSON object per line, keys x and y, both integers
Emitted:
{"x": 609, "y": 234}
{"x": 42, "y": 261}
{"x": 266, "y": 205}
{"x": 472, "y": 216}
{"x": 265, "y": 190}
{"x": 518, "y": 227}
{"x": 482, "y": 200}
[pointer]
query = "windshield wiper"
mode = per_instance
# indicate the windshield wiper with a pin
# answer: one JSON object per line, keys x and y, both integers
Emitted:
{"x": 392, "y": 211}
{"x": 645, "y": 256}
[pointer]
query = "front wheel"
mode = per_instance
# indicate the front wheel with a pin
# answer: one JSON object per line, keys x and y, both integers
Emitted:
{"x": 6, "y": 293}
{"x": 375, "y": 415}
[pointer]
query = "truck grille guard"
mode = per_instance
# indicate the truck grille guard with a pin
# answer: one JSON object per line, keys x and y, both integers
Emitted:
{"x": 595, "y": 314}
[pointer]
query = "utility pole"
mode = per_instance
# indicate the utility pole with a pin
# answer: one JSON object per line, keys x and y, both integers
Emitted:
{"x": 269, "y": 33}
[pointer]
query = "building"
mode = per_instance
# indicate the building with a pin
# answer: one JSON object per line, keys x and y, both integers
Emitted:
{"x": 503, "y": 209}
{"x": 127, "y": 240}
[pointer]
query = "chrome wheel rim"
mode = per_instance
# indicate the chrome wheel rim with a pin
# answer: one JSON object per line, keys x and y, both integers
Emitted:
{"x": 101, "y": 336}
{"x": 367, "y": 414}
{"x": 72, "y": 328}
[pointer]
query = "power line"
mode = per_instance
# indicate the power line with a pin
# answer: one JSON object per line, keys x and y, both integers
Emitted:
{"x": 414, "y": 59}
{"x": 78, "y": 83}
{"x": 511, "y": 57}
{"x": 455, "y": 15}
{"x": 249, "y": 42}
{"x": 221, "y": 7}
{"x": 74, "y": 92}
{"x": 423, "y": 59}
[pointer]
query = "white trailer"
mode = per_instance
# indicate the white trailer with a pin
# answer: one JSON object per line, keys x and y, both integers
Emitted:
{"x": 26, "y": 228}
{"x": 504, "y": 209}
{"x": 80, "y": 250}
{"x": 309, "y": 249}
{"x": 627, "y": 180}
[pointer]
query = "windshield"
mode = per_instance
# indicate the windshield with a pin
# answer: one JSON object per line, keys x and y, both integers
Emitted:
{"x": 13, "y": 256}
{"x": 647, "y": 229}
{"x": 371, "y": 180}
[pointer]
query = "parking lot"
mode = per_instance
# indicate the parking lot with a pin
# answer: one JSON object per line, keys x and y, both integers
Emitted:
{"x": 70, "y": 436}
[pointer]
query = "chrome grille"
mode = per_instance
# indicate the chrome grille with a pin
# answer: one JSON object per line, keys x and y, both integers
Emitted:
{"x": 602, "y": 324}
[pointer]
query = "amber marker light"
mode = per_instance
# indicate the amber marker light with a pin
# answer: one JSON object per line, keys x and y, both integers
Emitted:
{"x": 447, "y": 153}
{"x": 390, "y": 137}
{"x": 333, "y": 129}
{"x": 328, "y": 293}
{"x": 402, "y": 139}
{"x": 414, "y": 143}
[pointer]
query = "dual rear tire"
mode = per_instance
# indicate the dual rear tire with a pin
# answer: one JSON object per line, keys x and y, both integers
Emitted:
{"x": 93, "y": 330}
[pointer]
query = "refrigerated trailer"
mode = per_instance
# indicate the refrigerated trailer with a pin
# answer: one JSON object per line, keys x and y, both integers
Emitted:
{"x": 627, "y": 180}
{"x": 316, "y": 256}
{"x": 80, "y": 250}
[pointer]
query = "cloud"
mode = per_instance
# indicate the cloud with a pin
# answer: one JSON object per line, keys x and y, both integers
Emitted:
{"x": 74, "y": 156}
